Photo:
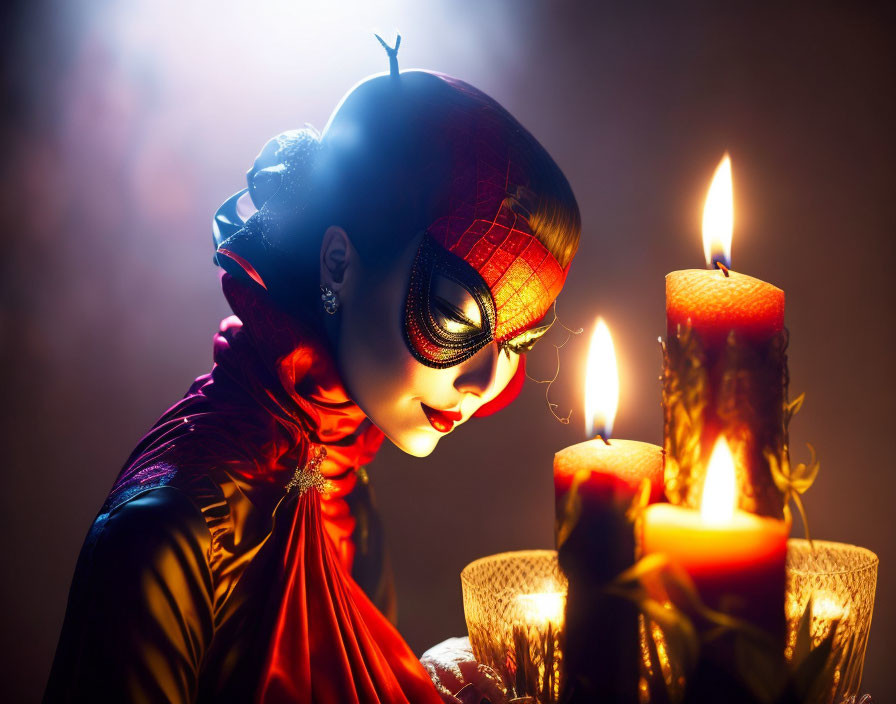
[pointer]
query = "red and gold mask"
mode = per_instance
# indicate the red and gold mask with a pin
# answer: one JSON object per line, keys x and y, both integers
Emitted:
{"x": 486, "y": 246}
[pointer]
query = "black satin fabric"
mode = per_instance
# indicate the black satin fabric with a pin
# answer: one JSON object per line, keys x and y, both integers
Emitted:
{"x": 140, "y": 612}
{"x": 141, "y": 625}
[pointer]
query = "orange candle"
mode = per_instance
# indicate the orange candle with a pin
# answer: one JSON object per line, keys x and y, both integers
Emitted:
{"x": 726, "y": 328}
{"x": 617, "y": 465}
{"x": 605, "y": 473}
{"x": 736, "y": 559}
{"x": 595, "y": 484}
{"x": 715, "y": 301}
{"x": 714, "y": 304}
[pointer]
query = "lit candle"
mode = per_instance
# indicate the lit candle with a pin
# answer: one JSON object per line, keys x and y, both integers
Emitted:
{"x": 543, "y": 609}
{"x": 595, "y": 484}
{"x": 717, "y": 300}
{"x": 725, "y": 366}
{"x": 604, "y": 472}
{"x": 513, "y": 606}
{"x": 536, "y": 644}
{"x": 736, "y": 559}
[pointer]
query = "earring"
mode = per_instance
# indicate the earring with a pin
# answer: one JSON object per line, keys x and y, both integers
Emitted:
{"x": 330, "y": 301}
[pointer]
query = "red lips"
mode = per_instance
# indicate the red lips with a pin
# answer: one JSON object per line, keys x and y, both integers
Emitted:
{"x": 443, "y": 421}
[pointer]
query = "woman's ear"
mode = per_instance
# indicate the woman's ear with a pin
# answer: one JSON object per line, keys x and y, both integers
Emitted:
{"x": 337, "y": 258}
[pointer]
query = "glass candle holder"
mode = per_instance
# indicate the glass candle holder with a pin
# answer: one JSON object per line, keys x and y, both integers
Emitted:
{"x": 513, "y": 605}
{"x": 840, "y": 579}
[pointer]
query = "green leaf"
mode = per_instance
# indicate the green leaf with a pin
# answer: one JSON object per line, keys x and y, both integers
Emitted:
{"x": 809, "y": 676}
{"x": 649, "y": 564}
{"x": 794, "y": 406}
{"x": 788, "y": 517}
{"x": 572, "y": 511}
{"x": 640, "y": 502}
{"x": 780, "y": 472}
{"x": 803, "y": 645}
{"x": 682, "y": 643}
{"x": 805, "y": 474}
{"x": 799, "y": 507}
{"x": 760, "y": 668}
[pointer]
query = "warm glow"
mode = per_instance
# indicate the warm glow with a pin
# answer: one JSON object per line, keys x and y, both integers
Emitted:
{"x": 718, "y": 216}
{"x": 543, "y": 609}
{"x": 720, "y": 486}
{"x": 826, "y": 607}
{"x": 601, "y": 383}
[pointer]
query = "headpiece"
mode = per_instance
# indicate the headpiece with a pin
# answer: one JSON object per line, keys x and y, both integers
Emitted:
{"x": 482, "y": 240}
{"x": 414, "y": 154}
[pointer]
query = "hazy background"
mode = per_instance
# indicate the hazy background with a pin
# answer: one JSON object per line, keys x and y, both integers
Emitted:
{"x": 124, "y": 125}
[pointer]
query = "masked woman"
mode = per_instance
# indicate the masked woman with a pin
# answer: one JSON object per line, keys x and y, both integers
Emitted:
{"x": 386, "y": 276}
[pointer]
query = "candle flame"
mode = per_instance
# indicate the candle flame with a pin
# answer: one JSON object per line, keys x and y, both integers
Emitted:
{"x": 720, "y": 486}
{"x": 543, "y": 609}
{"x": 718, "y": 216}
{"x": 601, "y": 383}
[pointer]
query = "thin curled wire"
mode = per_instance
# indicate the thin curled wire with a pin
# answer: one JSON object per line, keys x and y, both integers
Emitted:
{"x": 550, "y": 382}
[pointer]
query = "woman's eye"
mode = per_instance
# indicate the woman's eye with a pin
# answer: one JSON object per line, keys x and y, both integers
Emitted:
{"x": 450, "y": 318}
{"x": 454, "y": 309}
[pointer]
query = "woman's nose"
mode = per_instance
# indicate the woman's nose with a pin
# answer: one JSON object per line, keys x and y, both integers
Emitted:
{"x": 478, "y": 374}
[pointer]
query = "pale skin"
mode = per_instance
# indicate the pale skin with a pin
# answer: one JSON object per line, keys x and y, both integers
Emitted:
{"x": 389, "y": 384}
{"x": 379, "y": 372}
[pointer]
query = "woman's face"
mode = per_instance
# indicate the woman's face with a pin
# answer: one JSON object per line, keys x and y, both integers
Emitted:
{"x": 413, "y": 403}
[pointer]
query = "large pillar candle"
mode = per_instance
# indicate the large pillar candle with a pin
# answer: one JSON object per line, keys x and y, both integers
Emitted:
{"x": 736, "y": 559}
{"x": 725, "y": 368}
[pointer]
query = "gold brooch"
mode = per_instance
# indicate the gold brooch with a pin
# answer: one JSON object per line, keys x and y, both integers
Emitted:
{"x": 310, "y": 476}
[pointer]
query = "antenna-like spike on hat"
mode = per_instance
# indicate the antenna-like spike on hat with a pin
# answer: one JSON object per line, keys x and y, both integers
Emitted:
{"x": 392, "y": 53}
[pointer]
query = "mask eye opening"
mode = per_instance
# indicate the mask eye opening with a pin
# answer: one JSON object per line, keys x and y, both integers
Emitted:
{"x": 427, "y": 341}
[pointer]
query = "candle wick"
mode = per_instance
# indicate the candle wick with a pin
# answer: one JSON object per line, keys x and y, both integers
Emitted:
{"x": 724, "y": 268}
{"x": 606, "y": 440}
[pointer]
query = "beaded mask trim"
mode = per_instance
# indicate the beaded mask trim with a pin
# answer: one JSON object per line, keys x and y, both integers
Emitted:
{"x": 429, "y": 342}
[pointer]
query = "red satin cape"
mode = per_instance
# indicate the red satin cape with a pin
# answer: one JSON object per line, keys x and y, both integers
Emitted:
{"x": 329, "y": 643}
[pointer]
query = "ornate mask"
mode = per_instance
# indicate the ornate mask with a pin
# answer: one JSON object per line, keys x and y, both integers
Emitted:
{"x": 486, "y": 246}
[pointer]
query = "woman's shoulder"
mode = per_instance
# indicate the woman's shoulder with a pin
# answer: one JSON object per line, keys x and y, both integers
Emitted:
{"x": 140, "y": 613}
{"x": 150, "y": 528}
